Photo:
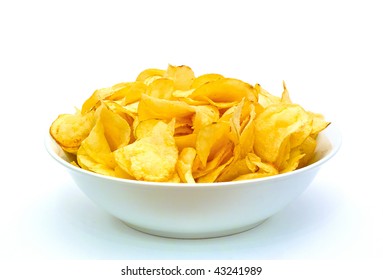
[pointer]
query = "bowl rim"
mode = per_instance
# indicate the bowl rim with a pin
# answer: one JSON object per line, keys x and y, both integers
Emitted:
{"x": 332, "y": 133}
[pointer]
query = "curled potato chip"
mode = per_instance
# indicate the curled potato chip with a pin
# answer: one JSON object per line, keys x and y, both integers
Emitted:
{"x": 161, "y": 88}
{"x": 184, "y": 141}
{"x": 156, "y": 108}
{"x": 151, "y": 158}
{"x": 116, "y": 129}
{"x": 224, "y": 90}
{"x": 278, "y": 126}
{"x": 70, "y": 130}
{"x": 183, "y": 76}
{"x": 308, "y": 149}
{"x": 265, "y": 99}
{"x": 88, "y": 163}
{"x": 97, "y": 147}
{"x": 224, "y": 156}
{"x": 204, "y": 116}
{"x": 205, "y": 78}
{"x": 171, "y": 126}
{"x": 210, "y": 139}
{"x": 145, "y": 128}
{"x": 133, "y": 93}
{"x": 213, "y": 175}
{"x": 150, "y": 72}
{"x": 185, "y": 165}
{"x": 234, "y": 170}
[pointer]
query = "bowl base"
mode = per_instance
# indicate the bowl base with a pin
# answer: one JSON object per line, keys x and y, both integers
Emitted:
{"x": 194, "y": 235}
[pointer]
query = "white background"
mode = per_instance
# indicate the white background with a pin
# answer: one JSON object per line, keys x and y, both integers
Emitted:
{"x": 53, "y": 54}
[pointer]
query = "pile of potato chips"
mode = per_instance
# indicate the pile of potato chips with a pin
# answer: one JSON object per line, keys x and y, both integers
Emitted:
{"x": 171, "y": 126}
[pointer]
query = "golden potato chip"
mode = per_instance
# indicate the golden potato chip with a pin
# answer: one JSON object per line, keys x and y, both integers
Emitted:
{"x": 247, "y": 136}
{"x": 277, "y": 126}
{"x": 210, "y": 139}
{"x": 264, "y": 97}
{"x": 318, "y": 124}
{"x": 183, "y": 95}
{"x": 134, "y": 92}
{"x": 94, "y": 99}
{"x": 145, "y": 128}
{"x": 183, "y": 76}
{"x": 308, "y": 149}
{"x": 88, "y": 163}
{"x": 150, "y": 72}
{"x": 161, "y": 88}
{"x": 113, "y": 92}
{"x": 156, "y": 108}
{"x": 128, "y": 113}
{"x": 223, "y": 156}
{"x": 174, "y": 179}
{"x": 224, "y": 90}
{"x": 205, "y": 78}
{"x": 293, "y": 160}
{"x": 120, "y": 173}
{"x": 285, "y": 95}
{"x": 70, "y": 130}
{"x": 184, "y": 141}
{"x": 97, "y": 147}
{"x": 118, "y": 91}
{"x": 259, "y": 169}
{"x": 213, "y": 175}
{"x": 234, "y": 170}
{"x": 184, "y": 165}
{"x": 204, "y": 116}
{"x": 151, "y": 158}
{"x": 116, "y": 129}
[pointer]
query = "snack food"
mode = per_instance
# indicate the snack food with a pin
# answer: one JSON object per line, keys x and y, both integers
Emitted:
{"x": 171, "y": 126}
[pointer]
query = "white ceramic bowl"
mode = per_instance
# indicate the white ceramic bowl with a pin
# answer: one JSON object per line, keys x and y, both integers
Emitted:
{"x": 198, "y": 210}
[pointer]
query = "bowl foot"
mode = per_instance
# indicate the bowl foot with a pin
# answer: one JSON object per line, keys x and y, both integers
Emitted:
{"x": 194, "y": 235}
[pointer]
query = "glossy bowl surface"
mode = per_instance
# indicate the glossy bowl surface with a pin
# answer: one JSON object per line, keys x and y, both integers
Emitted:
{"x": 197, "y": 210}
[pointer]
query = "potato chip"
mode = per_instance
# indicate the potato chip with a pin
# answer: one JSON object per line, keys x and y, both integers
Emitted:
{"x": 172, "y": 126}
{"x": 149, "y": 73}
{"x": 224, "y": 90}
{"x": 259, "y": 168}
{"x": 151, "y": 158}
{"x": 183, "y": 76}
{"x": 97, "y": 147}
{"x": 161, "y": 88}
{"x": 210, "y": 139}
{"x": 185, "y": 165}
{"x": 184, "y": 141}
{"x": 88, "y": 163}
{"x": 234, "y": 170}
{"x": 308, "y": 149}
{"x": 205, "y": 78}
{"x": 276, "y": 124}
{"x": 145, "y": 128}
{"x": 213, "y": 175}
{"x": 98, "y": 95}
{"x": 70, "y": 130}
{"x": 156, "y": 108}
{"x": 134, "y": 92}
{"x": 293, "y": 160}
{"x": 128, "y": 113}
{"x": 117, "y": 130}
{"x": 120, "y": 173}
{"x": 285, "y": 95}
{"x": 318, "y": 124}
{"x": 264, "y": 97}
{"x": 118, "y": 91}
{"x": 204, "y": 116}
{"x": 223, "y": 156}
